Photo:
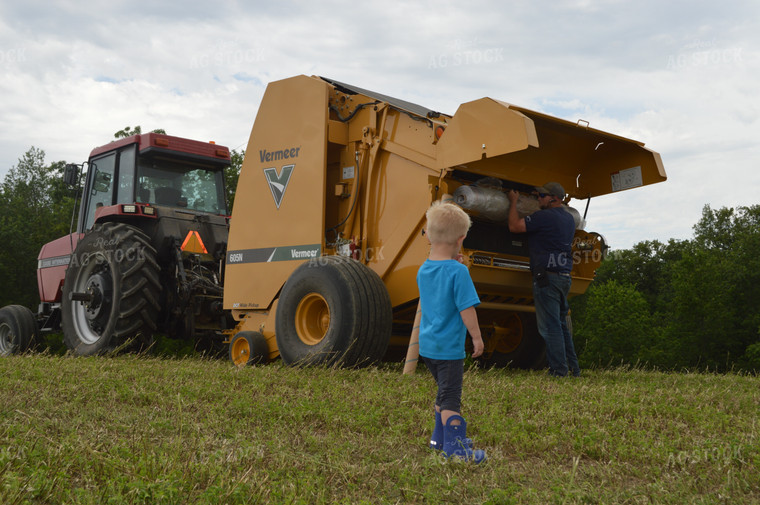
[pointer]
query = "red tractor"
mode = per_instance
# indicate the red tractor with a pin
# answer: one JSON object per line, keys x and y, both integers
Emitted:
{"x": 147, "y": 254}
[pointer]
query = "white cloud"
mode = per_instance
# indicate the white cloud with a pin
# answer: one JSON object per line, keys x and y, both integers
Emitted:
{"x": 681, "y": 77}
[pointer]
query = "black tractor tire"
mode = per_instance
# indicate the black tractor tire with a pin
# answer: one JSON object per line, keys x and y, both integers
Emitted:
{"x": 18, "y": 329}
{"x": 249, "y": 348}
{"x": 333, "y": 310}
{"x": 111, "y": 291}
{"x": 528, "y": 350}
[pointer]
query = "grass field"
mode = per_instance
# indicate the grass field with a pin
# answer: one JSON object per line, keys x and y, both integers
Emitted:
{"x": 130, "y": 429}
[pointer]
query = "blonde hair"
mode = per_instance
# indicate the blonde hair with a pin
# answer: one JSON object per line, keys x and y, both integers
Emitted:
{"x": 446, "y": 222}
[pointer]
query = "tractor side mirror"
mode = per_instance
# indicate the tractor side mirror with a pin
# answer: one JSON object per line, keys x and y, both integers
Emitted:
{"x": 71, "y": 175}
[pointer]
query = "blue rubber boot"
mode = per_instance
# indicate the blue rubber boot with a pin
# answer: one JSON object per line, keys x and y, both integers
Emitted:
{"x": 455, "y": 443}
{"x": 436, "y": 439}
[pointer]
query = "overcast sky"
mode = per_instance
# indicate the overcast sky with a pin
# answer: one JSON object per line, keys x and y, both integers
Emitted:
{"x": 683, "y": 77}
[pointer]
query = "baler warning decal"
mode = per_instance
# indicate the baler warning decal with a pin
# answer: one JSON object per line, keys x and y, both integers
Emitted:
{"x": 278, "y": 183}
{"x": 269, "y": 254}
{"x": 626, "y": 179}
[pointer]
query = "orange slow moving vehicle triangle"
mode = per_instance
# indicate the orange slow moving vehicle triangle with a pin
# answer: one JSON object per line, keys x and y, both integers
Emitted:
{"x": 193, "y": 243}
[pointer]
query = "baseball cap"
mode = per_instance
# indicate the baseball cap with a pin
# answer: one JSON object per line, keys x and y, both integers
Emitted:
{"x": 552, "y": 188}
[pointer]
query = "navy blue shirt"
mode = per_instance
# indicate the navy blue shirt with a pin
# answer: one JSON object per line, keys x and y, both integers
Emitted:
{"x": 550, "y": 239}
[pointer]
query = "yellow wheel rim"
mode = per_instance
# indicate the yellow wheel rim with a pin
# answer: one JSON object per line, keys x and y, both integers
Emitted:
{"x": 312, "y": 319}
{"x": 241, "y": 351}
{"x": 506, "y": 335}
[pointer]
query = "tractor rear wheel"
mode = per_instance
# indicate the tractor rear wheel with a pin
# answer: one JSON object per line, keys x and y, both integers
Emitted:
{"x": 333, "y": 310}
{"x": 111, "y": 292}
{"x": 18, "y": 329}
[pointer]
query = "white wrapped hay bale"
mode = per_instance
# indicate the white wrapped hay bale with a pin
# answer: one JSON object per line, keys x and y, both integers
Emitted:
{"x": 491, "y": 203}
{"x": 579, "y": 222}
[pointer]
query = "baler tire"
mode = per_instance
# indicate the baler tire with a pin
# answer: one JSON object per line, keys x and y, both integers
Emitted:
{"x": 116, "y": 265}
{"x": 18, "y": 329}
{"x": 333, "y": 310}
{"x": 248, "y": 348}
{"x": 378, "y": 307}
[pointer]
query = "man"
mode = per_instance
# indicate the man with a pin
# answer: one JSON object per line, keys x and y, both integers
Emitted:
{"x": 550, "y": 236}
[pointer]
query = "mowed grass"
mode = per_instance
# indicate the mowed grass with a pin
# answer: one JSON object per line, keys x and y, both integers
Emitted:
{"x": 134, "y": 430}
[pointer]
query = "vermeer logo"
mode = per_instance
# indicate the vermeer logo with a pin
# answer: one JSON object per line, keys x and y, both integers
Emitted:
{"x": 278, "y": 183}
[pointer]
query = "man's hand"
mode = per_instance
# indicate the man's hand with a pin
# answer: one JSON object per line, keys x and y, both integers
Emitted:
{"x": 515, "y": 223}
{"x": 512, "y": 195}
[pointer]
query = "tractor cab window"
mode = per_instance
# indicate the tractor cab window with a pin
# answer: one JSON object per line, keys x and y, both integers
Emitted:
{"x": 126, "y": 192}
{"x": 196, "y": 186}
{"x": 101, "y": 186}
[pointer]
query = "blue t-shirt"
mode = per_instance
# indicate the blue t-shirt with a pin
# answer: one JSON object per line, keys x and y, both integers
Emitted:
{"x": 446, "y": 289}
{"x": 550, "y": 239}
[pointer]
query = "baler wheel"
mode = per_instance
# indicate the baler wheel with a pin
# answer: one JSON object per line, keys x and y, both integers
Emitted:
{"x": 512, "y": 340}
{"x": 111, "y": 291}
{"x": 248, "y": 348}
{"x": 18, "y": 329}
{"x": 333, "y": 310}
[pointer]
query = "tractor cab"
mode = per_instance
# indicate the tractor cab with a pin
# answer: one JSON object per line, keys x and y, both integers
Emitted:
{"x": 153, "y": 170}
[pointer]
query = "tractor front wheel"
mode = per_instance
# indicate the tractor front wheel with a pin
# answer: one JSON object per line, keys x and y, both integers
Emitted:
{"x": 18, "y": 329}
{"x": 111, "y": 291}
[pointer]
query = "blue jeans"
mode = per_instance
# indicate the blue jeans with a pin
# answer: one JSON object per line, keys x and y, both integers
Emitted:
{"x": 448, "y": 375}
{"x": 551, "y": 315}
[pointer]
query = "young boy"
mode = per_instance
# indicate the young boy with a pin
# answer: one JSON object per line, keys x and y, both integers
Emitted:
{"x": 447, "y": 302}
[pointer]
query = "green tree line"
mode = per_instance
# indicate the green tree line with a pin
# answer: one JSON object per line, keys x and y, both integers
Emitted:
{"x": 35, "y": 208}
{"x": 691, "y": 304}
